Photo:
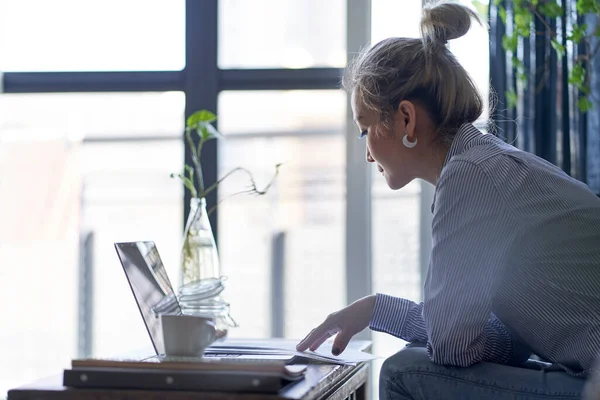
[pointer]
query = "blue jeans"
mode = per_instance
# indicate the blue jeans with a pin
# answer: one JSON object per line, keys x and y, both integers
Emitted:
{"x": 409, "y": 374}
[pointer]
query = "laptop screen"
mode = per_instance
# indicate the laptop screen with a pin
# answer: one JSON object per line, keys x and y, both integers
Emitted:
{"x": 150, "y": 286}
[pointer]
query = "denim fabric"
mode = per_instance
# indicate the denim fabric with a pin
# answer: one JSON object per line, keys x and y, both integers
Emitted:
{"x": 410, "y": 374}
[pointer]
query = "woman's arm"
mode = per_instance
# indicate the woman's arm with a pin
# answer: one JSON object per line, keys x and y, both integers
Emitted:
{"x": 404, "y": 319}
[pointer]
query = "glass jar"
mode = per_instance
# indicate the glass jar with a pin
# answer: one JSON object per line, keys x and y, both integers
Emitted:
{"x": 201, "y": 298}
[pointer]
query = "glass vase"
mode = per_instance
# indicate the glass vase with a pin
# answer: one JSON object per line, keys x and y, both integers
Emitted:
{"x": 199, "y": 255}
{"x": 201, "y": 282}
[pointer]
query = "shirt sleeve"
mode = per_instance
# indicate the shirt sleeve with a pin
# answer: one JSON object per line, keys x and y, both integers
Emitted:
{"x": 404, "y": 319}
{"x": 472, "y": 236}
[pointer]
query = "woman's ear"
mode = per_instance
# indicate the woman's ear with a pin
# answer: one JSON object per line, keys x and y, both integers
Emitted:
{"x": 406, "y": 117}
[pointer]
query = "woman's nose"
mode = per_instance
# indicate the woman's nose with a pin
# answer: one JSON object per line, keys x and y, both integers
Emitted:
{"x": 369, "y": 158}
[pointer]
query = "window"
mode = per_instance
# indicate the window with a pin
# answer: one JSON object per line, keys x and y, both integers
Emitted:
{"x": 472, "y": 51}
{"x": 94, "y": 168}
{"x": 282, "y": 34}
{"x": 392, "y": 18}
{"x": 69, "y": 168}
{"x": 110, "y": 35}
{"x": 304, "y": 130}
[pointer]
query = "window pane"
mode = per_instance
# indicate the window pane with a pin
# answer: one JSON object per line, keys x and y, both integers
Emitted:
{"x": 281, "y": 112}
{"x": 472, "y": 51}
{"x": 282, "y": 34}
{"x": 128, "y": 196}
{"x": 91, "y": 115}
{"x": 393, "y": 18}
{"x": 109, "y": 35}
{"x": 306, "y": 204}
{"x": 54, "y": 190}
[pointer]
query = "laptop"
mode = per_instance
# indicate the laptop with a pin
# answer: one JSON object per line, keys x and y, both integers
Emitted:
{"x": 154, "y": 296}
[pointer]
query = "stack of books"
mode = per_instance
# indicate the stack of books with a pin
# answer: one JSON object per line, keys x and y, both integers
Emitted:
{"x": 183, "y": 374}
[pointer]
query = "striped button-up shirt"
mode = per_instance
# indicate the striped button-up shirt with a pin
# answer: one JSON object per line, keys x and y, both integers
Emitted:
{"x": 514, "y": 267}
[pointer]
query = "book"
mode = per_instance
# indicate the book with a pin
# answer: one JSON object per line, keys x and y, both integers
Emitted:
{"x": 198, "y": 375}
{"x": 155, "y": 379}
{"x": 280, "y": 368}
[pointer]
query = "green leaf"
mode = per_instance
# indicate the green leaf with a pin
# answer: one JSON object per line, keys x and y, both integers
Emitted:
{"x": 597, "y": 31}
{"x": 511, "y": 98}
{"x": 578, "y": 33}
{"x": 518, "y": 64}
{"x": 584, "y": 104}
{"x": 522, "y": 76}
{"x": 560, "y": 49}
{"x": 587, "y": 6}
{"x": 497, "y": 3}
{"x": 206, "y": 131}
{"x": 534, "y": 3}
{"x": 585, "y": 89}
{"x": 577, "y": 75}
{"x": 523, "y": 23}
{"x": 551, "y": 9}
{"x": 200, "y": 116}
{"x": 509, "y": 43}
{"x": 502, "y": 13}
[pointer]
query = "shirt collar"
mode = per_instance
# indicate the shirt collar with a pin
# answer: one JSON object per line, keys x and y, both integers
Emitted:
{"x": 466, "y": 133}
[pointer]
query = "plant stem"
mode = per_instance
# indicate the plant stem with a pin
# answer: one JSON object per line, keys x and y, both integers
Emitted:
{"x": 195, "y": 159}
{"x": 542, "y": 19}
{"x": 213, "y": 208}
{"x": 253, "y": 188}
{"x": 199, "y": 174}
{"x": 212, "y": 187}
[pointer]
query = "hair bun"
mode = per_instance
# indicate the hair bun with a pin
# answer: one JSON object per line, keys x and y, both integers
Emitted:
{"x": 445, "y": 21}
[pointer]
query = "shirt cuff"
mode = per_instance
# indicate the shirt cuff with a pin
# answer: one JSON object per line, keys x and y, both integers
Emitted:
{"x": 389, "y": 314}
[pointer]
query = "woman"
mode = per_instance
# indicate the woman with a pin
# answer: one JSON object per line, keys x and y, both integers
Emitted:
{"x": 515, "y": 263}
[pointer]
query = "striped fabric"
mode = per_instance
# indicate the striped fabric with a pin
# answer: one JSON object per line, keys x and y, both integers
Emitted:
{"x": 515, "y": 263}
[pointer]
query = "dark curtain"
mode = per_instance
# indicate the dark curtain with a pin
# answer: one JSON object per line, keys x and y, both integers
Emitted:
{"x": 592, "y": 144}
{"x": 546, "y": 120}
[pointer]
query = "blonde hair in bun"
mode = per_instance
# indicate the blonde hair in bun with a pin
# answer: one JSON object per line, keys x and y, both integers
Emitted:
{"x": 446, "y": 20}
{"x": 420, "y": 70}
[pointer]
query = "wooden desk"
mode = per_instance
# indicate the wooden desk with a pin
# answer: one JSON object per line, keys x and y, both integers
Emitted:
{"x": 322, "y": 382}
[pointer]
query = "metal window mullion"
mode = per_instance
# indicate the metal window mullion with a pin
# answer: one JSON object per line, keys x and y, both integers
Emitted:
{"x": 425, "y": 219}
{"x": 358, "y": 175}
{"x": 201, "y": 86}
{"x": 280, "y": 79}
{"x": 65, "y": 82}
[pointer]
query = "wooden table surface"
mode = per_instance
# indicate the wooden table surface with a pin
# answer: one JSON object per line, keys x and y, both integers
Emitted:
{"x": 322, "y": 381}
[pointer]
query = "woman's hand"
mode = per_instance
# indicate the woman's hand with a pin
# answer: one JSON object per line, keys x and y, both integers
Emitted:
{"x": 346, "y": 323}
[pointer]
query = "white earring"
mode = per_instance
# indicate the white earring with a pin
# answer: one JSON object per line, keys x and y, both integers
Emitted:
{"x": 408, "y": 143}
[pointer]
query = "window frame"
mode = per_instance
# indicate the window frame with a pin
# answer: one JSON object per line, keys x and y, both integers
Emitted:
{"x": 202, "y": 80}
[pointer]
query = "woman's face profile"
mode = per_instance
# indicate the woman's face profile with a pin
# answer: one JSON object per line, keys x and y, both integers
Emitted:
{"x": 384, "y": 145}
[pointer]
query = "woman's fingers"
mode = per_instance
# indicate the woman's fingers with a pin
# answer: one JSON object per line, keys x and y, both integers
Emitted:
{"x": 317, "y": 336}
{"x": 307, "y": 341}
{"x": 340, "y": 342}
{"x": 319, "y": 341}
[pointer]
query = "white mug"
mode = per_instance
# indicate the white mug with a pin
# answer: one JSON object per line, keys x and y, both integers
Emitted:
{"x": 187, "y": 335}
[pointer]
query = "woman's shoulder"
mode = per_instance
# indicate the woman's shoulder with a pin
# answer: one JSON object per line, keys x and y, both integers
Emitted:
{"x": 487, "y": 167}
{"x": 513, "y": 173}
